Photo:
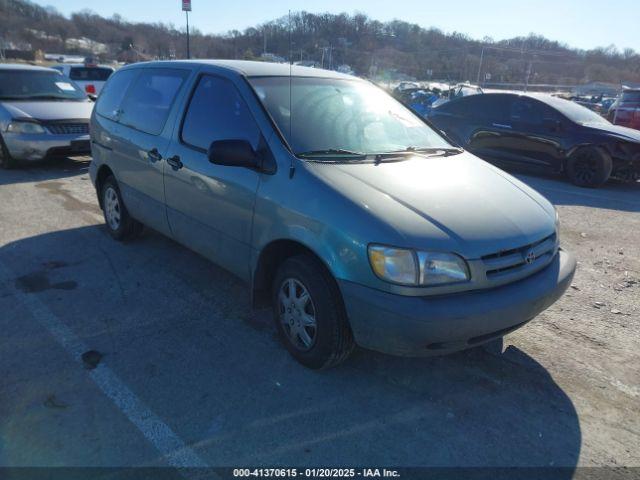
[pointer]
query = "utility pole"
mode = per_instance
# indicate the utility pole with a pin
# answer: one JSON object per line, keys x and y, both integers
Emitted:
{"x": 527, "y": 75}
{"x": 480, "y": 66}
{"x": 186, "y": 8}
{"x": 264, "y": 34}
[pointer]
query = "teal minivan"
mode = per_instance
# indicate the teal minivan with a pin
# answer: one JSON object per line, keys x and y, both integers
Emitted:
{"x": 353, "y": 218}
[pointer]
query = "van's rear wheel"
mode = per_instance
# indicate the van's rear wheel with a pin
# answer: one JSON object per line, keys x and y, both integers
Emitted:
{"x": 589, "y": 167}
{"x": 6, "y": 161}
{"x": 119, "y": 223}
{"x": 309, "y": 314}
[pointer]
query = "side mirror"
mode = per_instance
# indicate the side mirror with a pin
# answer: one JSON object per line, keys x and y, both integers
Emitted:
{"x": 552, "y": 124}
{"x": 233, "y": 153}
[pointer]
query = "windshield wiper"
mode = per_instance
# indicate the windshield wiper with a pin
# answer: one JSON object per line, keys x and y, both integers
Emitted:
{"x": 331, "y": 152}
{"x": 420, "y": 151}
{"x": 432, "y": 151}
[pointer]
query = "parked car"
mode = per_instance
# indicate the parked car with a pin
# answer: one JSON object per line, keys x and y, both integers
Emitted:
{"x": 42, "y": 114}
{"x": 90, "y": 77}
{"x": 419, "y": 100}
{"x": 626, "y": 110}
{"x": 606, "y": 105}
{"x": 542, "y": 132}
{"x": 346, "y": 212}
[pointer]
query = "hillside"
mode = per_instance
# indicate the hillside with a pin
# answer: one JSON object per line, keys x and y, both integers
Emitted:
{"x": 369, "y": 47}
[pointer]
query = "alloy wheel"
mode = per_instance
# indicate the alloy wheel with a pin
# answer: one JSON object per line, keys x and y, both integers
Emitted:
{"x": 112, "y": 208}
{"x": 297, "y": 314}
{"x": 586, "y": 168}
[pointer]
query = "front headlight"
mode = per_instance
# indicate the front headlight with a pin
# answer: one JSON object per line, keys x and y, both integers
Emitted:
{"x": 25, "y": 127}
{"x": 417, "y": 268}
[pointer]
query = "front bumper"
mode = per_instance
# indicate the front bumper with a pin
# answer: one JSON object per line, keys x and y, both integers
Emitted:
{"x": 39, "y": 146}
{"x": 422, "y": 326}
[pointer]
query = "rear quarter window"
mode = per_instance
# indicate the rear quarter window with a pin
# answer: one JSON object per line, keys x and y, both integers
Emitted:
{"x": 110, "y": 99}
{"x": 148, "y": 102}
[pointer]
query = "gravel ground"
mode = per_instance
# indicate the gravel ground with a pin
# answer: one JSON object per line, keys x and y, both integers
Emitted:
{"x": 180, "y": 370}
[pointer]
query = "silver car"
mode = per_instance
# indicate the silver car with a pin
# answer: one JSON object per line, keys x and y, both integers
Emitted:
{"x": 42, "y": 114}
{"x": 346, "y": 213}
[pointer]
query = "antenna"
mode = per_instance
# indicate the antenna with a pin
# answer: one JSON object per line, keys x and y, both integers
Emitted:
{"x": 292, "y": 168}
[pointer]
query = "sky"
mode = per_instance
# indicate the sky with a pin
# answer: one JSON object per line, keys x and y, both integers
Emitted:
{"x": 579, "y": 23}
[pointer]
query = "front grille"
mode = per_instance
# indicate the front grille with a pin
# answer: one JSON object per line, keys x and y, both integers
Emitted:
{"x": 68, "y": 128}
{"x": 512, "y": 261}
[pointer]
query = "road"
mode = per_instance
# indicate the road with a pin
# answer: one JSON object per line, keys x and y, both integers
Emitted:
{"x": 145, "y": 354}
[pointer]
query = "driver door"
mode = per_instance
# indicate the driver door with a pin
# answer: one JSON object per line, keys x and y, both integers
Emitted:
{"x": 210, "y": 207}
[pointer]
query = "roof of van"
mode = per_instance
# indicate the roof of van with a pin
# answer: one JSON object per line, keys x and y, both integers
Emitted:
{"x": 255, "y": 69}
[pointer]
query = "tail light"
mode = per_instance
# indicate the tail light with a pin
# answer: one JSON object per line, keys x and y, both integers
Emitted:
{"x": 90, "y": 89}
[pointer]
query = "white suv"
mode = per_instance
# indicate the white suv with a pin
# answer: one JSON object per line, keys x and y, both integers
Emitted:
{"x": 91, "y": 78}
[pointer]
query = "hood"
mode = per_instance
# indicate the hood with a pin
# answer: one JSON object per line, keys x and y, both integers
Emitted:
{"x": 619, "y": 131}
{"x": 458, "y": 203}
{"x": 49, "y": 110}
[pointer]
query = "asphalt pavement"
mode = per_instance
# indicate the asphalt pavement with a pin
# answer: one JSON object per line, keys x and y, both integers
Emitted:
{"x": 145, "y": 354}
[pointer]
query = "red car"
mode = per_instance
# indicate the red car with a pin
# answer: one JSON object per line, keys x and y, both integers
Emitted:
{"x": 626, "y": 110}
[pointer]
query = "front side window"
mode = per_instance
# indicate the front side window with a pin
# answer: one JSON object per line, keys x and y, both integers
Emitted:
{"x": 493, "y": 108}
{"x": 328, "y": 114}
{"x": 149, "y": 100}
{"x": 218, "y": 112}
{"x": 27, "y": 85}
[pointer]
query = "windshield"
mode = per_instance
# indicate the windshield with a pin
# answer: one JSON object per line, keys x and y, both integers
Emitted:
{"x": 342, "y": 116}
{"x": 37, "y": 85}
{"x": 575, "y": 112}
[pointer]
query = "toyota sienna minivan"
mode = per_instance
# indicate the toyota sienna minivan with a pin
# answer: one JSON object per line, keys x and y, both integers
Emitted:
{"x": 348, "y": 214}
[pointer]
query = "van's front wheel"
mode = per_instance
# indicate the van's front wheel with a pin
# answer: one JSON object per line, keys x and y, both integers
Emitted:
{"x": 119, "y": 223}
{"x": 309, "y": 314}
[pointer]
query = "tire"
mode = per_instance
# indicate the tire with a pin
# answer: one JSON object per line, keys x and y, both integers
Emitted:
{"x": 119, "y": 223}
{"x": 331, "y": 340}
{"x": 6, "y": 161}
{"x": 589, "y": 167}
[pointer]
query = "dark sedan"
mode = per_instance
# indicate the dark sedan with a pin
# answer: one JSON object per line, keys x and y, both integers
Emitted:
{"x": 543, "y": 132}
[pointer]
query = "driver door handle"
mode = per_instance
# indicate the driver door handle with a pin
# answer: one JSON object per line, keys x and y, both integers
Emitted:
{"x": 175, "y": 162}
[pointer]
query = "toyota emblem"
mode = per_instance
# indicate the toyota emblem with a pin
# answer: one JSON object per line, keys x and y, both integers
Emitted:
{"x": 530, "y": 257}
